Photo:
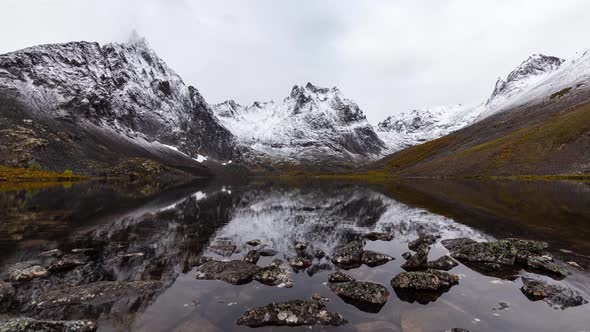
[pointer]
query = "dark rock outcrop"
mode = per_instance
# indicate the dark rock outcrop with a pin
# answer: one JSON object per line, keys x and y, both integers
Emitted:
{"x": 234, "y": 272}
{"x": 291, "y": 313}
{"x": 365, "y": 295}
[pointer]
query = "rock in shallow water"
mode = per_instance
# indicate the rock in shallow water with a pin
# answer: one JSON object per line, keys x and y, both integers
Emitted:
{"x": 349, "y": 255}
{"x": 319, "y": 253}
{"x": 556, "y": 296}
{"x": 372, "y": 258}
{"x": 274, "y": 275}
{"x": 28, "y": 273}
{"x": 234, "y": 272}
{"x": 452, "y": 244}
{"x": 444, "y": 263}
{"x": 379, "y": 236}
{"x": 424, "y": 286}
{"x": 418, "y": 260}
{"x": 23, "y": 324}
{"x": 545, "y": 264}
{"x": 422, "y": 240}
{"x": 266, "y": 252}
{"x": 338, "y": 277}
{"x": 291, "y": 313}
{"x": 254, "y": 242}
{"x": 300, "y": 263}
{"x": 252, "y": 257}
{"x": 365, "y": 295}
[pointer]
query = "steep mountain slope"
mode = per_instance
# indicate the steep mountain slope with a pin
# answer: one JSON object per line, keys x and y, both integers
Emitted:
{"x": 543, "y": 128}
{"x": 84, "y": 106}
{"x": 422, "y": 125}
{"x": 313, "y": 126}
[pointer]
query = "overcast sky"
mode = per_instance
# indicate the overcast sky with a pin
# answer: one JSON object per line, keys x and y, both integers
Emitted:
{"x": 388, "y": 56}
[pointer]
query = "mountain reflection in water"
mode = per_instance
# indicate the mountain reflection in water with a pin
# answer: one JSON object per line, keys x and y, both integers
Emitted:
{"x": 150, "y": 235}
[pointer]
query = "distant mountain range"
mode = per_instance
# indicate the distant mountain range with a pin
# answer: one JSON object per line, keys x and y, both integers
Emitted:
{"x": 88, "y": 107}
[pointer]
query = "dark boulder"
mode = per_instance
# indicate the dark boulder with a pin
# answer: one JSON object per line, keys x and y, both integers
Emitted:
{"x": 418, "y": 260}
{"x": 252, "y": 257}
{"x": 406, "y": 255}
{"x": 422, "y": 287}
{"x": 28, "y": 274}
{"x": 319, "y": 253}
{"x": 67, "y": 262}
{"x": 452, "y": 244}
{"x": 546, "y": 265}
{"x": 379, "y": 236}
{"x": 254, "y": 242}
{"x": 291, "y": 313}
{"x": 23, "y": 324}
{"x": 234, "y": 272}
{"x": 444, "y": 263}
{"x": 422, "y": 240}
{"x": 366, "y": 296}
{"x": 266, "y": 252}
{"x": 274, "y": 275}
{"x": 338, "y": 277}
{"x": 558, "y": 297}
{"x": 349, "y": 256}
{"x": 372, "y": 258}
{"x": 300, "y": 263}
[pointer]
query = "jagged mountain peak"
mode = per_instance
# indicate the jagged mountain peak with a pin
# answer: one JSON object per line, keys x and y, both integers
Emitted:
{"x": 535, "y": 64}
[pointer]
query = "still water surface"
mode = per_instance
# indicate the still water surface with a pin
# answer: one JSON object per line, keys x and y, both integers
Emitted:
{"x": 147, "y": 234}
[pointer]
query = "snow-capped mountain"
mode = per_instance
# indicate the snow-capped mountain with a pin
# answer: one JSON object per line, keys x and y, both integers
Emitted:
{"x": 422, "y": 125}
{"x": 117, "y": 92}
{"x": 312, "y": 125}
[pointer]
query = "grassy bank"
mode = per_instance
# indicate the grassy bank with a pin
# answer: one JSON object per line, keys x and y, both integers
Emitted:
{"x": 14, "y": 175}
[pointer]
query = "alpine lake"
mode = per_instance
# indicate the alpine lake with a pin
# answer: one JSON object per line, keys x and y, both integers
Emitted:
{"x": 278, "y": 255}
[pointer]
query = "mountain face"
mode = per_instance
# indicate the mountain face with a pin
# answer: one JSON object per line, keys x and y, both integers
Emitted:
{"x": 537, "y": 122}
{"x": 104, "y": 103}
{"x": 423, "y": 125}
{"x": 313, "y": 126}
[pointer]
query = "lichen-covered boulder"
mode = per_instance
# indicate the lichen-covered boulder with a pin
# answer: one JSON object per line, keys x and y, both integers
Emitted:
{"x": 365, "y": 295}
{"x": 418, "y": 260}
{"x": 379, "y": 236}
{"x": 291, "y": 313}
{"x": 252, "y": 257}
{"x": 430, "y": 280}
{"x": 338, "y": 277}
{"x": 23, "y": 324}
{"x": 373, "y": 258}
{"x": 452, "y": 244}
{"x": 274, "y": 275}
{"x": 349, "y": 256}
{"x": 300, "y": 263}
{"x": 444, "y": 263}
{"x": 557, "y": 296}
{"x": 235, "y": 272}
{"x": 422, "y": 240}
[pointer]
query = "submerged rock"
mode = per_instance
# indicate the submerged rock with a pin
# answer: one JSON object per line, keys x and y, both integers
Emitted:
{"x": 291, "y": 313}
{"x": 338, "y": 277}
{"x": 23, "y": 324}
{"x": 556, "y": 296}
{"x": 266, "y": 252}
{"x": 28, "y": 273}
{"x": 379, "y": 236}
{"x": 406, "y": 255}
{"x": 418, "y": 260}
{"x": 300, "y": 263}
{"x": 254, "y": 242}
{"x": 96, "y": 293}
{"x": 424, "y": 286}
{"x": 349, "y": 255}
{"x": 422, "y": 240}
{"x": 274, "y": 275}
{"x": 318, "y": 268}
{"x": 444, "y": 263}
{"x": 372, "y": 258}
{"x": 235, "y": 272}
{"x": 366, "y": 296}
{"x": 319, "y": 253}
{"x": 252, "y": 257}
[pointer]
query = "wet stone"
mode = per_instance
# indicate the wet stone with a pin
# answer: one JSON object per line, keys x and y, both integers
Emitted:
{"x": 444, "y": 263}
{"x": 422, "y": 287}
{"x": 422, "y": 240}
{"x": 547, "y": 265}
{"x": 274, "y": 275}
{"x": 254, "y": 242}
{"x": 417, "y": 261}
{"x": 252, "y": 257}
{"x": 406, "y": 255}
{"x": 199, "y": 260}
{"x": 319, "y": 253}
{"x": 67, "y": 262}
{"x": 338, "y": 277}
{"x": 452, "y": 244}
{"x": 300, "y": 245}
{"x": 318, "y": 297}
{"x": 499, "y": 253}
{"x": 365, "y": 295}
{"x": 235, "y": 272}
{"x": 51, "y": 253}
{"x": 557, "y": 296}
{"x": 379, "y": 236}
{"x": 28, "y": 273}
{"x": 96, "y": 293}
{"x": 267, "y": 252}
{"x": 23, "y": 324}
{"x": 291, "y": 313}
{"x": 300, "y": 263}
{"x": 372, "y": 258}
{"x": 349, "y": 256}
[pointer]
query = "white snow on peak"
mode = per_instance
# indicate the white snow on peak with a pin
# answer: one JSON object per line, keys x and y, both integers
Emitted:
{"x": 311, "y": 123}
